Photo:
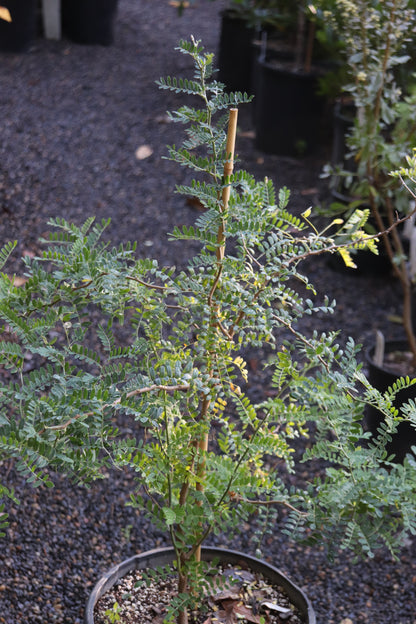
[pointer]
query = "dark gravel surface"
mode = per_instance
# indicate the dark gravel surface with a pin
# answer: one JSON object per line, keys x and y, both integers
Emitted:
{"x": 72, "y": 118}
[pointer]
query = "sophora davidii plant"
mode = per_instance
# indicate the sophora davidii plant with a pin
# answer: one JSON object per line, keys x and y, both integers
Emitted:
{"x": 118, "y": 340}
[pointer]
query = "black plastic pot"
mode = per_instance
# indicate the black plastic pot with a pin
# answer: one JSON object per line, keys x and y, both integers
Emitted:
{"x": 17, "y": 35}
{"x": 289, "y": 114}
{"x": 165, "y": 556}
{"x": 235, "y": 54}
{"x": 343, "y": 121}
{"x": 89, "y": 21}
{"x": 381, "y": 378}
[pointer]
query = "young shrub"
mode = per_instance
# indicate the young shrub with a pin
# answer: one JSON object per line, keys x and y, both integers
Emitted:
{"x": 143, "y": 367}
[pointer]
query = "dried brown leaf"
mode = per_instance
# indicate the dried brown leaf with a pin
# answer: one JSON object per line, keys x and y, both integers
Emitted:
{"x": 227, "y": 594}
{"x": 247, "y": 613}
{"x": 309, "y": 191}
{"x": 17, "y": 280}
{"x": 5, "y": 14}
{"x": 178, "y": 3}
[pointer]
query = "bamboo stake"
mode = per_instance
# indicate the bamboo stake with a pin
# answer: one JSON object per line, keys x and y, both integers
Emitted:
{"x": 228, "y": 169}
{"x": 225, "y": 197}
{"x": 379, "y": 350}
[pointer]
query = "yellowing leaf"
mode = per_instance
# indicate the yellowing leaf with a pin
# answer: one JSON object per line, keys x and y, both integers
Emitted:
{"x": 346, "y": 256}
{"x": 5, "y": 14}
{"x": 242, "y": 366}
{"x": 235, "y": 389}
{"x": 371, "y": 245}
{"x": 219, "y": 405}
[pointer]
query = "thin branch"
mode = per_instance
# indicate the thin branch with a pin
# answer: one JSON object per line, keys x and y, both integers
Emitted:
{"x": 143, "y": 283}
{"x": 332, "y": 248}
{"x": 132, "y": 393}
{"x": 268, "y": 503}
{"x": 178, "y": 387}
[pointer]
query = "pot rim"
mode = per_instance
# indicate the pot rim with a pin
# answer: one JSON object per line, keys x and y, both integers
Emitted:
{"x": 389, "y": 346}
{"x": 294, "y": 592}
{"x": 285, "y": 67}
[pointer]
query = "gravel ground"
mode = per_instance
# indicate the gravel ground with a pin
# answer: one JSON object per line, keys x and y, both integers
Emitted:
{"x": 72, "y": 120}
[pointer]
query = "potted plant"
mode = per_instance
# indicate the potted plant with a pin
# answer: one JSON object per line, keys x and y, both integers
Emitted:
{"x": 275, "y": 47}
{"x": 294, "y": 72}
{"x": 382, "y": 133}
{"x": 241, "y": 23}
{"x": 109, "y": 359}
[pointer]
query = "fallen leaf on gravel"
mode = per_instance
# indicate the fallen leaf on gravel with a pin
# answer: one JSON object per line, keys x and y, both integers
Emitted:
{"x": 5, "y": 14}
{"x": 144, "y": 151}
{"x": 17, "y": 280}
{"x": 163, "y": 119}
{"x": 309, "y": 191}
{"x": 395, "y": 318}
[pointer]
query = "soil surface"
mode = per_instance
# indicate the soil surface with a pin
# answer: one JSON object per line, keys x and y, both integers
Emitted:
{"x": 235, "y": 594}
{"x": 83, "y": 132}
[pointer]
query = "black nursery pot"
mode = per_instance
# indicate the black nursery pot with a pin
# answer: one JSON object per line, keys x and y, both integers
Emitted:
{"x": 381, "y": 379}
{"x": 89, "y": 21}
{"x": 17, "y": 35}
{"x": 235, "y": 53}
{"x": 343, "y": 121}
{"x": 289, "y": 114}
{"x": 165, "y": 556}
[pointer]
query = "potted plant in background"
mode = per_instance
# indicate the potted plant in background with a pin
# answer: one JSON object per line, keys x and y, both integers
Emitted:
{"x": 241, "y": 23}
{"x": 383, "y": 131}
{"x": 296, "y": 80}
{"x": 286, "y": 54}
{"x": 367, "y": 58}
{"x": 141, "y": 367}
